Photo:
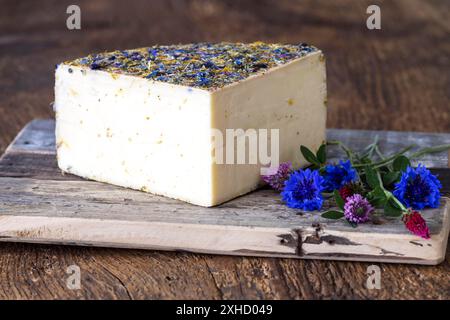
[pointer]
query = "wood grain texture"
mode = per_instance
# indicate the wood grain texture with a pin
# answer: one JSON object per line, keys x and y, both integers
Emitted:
{"x": 388, "y": 79}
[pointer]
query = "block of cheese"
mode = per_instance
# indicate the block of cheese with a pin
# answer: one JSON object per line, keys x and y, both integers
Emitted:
{"x": 145, "y": 118}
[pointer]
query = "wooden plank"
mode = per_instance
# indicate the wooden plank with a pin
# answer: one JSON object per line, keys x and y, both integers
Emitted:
{"x": 38, "y": 204}
{"x": 37, "y": 137}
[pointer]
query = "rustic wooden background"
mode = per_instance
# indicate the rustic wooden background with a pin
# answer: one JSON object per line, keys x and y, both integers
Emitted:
{"x": 396, "y": 78}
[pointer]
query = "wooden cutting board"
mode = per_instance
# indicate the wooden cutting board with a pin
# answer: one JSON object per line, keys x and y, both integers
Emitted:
{"x": 40, "y": 204}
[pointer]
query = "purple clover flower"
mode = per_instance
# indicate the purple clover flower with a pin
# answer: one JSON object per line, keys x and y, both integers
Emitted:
{"x": 276, "y": 179}
{"x": 357, "y": 209}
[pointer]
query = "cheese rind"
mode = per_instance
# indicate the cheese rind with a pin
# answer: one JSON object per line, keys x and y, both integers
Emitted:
{"x": 155, "y": 136}
{"x": 202, "y": 65}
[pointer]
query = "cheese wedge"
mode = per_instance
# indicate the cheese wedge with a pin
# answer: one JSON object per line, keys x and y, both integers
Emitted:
{"x": 148, "y": 118}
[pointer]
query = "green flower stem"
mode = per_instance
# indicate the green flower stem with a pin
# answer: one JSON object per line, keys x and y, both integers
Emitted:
{"x": 397, "y": 202}
{"x": 382, "y": 157}
{"x": 418, "y": 154}
{"x": 390, "y": 196}
{"x": 346, "y": 149}
{"x": 369, "y": 150}
{"x": 379, "y": 154}
{"x": 443, "y": 147}
{"x": 386, "y": 160}
{"x": 327, "y": 194}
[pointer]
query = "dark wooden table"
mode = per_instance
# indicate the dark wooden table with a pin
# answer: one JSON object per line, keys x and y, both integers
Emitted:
{"x": 396, "y": 78}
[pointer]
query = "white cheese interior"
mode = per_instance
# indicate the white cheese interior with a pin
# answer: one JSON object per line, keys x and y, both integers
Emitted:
{"x": 291, "y": 98}
{"x": 156, "y": 137}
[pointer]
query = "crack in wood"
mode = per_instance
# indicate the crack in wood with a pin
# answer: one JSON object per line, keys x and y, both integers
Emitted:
{"x": 295, "y": 240}
{"x": 317, "y": 238}
{"x": 251, "y": 252}
{"x": 299, "y": 249}
{"x": 292, "y": 240}
{"x": 288, "y": 240}
{"x": 387, "y": 252}
{"x": 331, "y": 240}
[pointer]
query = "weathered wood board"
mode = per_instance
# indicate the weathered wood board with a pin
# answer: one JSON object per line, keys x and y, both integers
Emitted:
{"x": 39, "y": 204}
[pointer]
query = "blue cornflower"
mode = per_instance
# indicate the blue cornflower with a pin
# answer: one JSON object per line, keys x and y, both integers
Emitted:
{"x": 203, "y": 81}
{"x": 152, "y": 52}
{"x": 209, "y": 65}
{"x": 238, "y": 62}
{"x": 135, "y": 56}
{"x": 338, "y": 175}
{"x": 152, "y": 74}
{"x": 418, "y": 188}
{"x": 303, "y": 190}
{"x": 95, "y": 66}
